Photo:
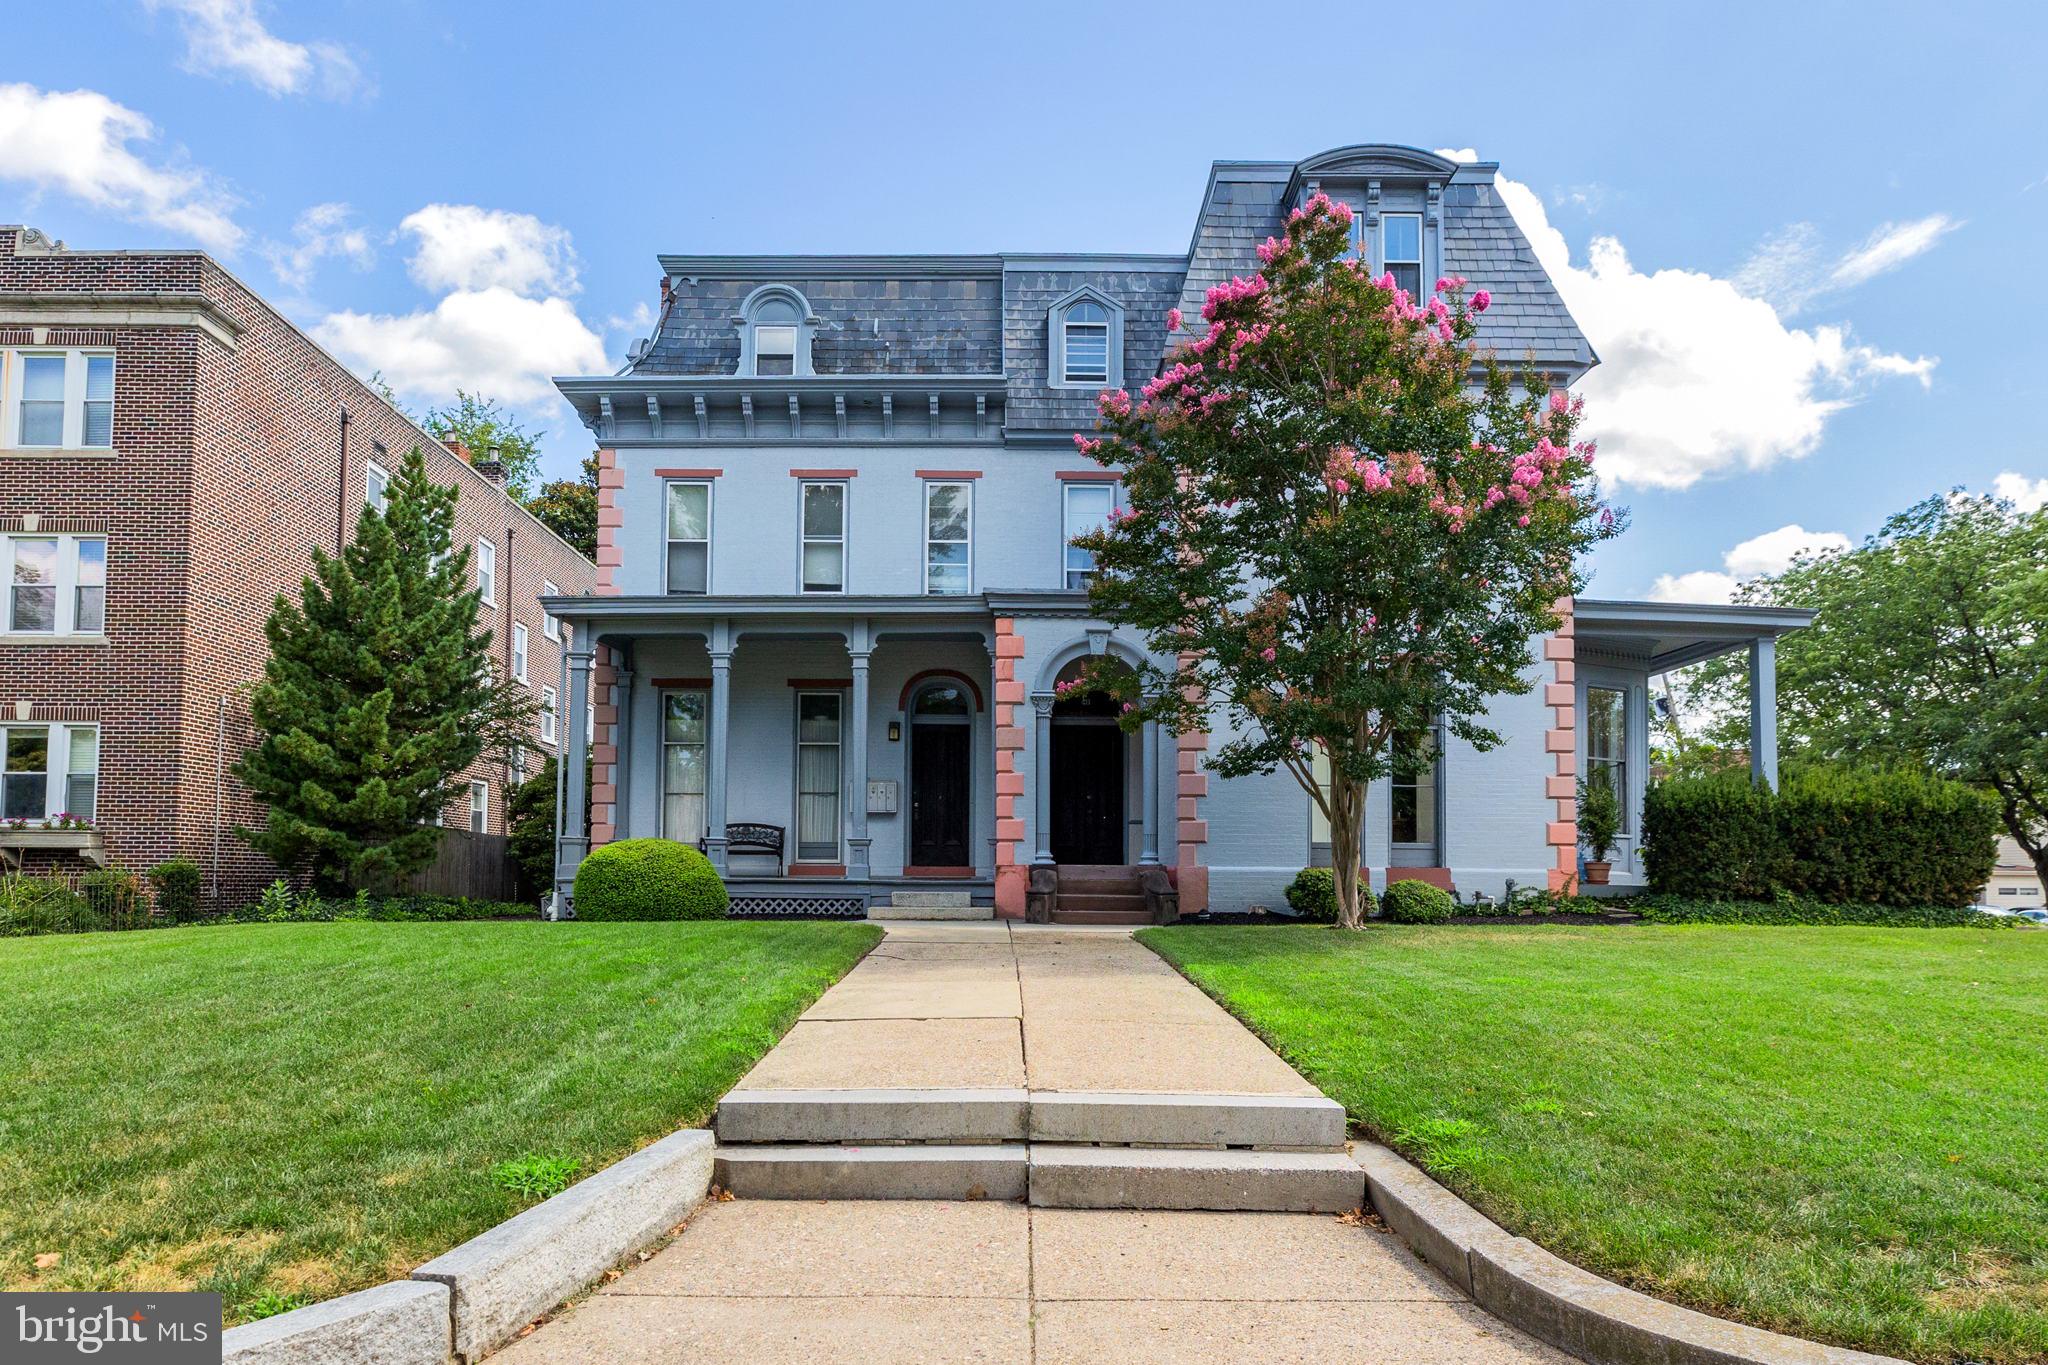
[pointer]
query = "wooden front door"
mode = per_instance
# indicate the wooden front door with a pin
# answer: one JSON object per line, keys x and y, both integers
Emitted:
{"x": 1087, "y": 791}
{"x": 939, "y": 799}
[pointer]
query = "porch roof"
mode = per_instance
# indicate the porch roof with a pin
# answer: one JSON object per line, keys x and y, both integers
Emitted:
{"x": 1667, "y": 635}
{"x": 654, "y": 611}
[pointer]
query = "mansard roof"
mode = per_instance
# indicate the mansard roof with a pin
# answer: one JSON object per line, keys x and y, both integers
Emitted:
{"x": 987, "y": 315}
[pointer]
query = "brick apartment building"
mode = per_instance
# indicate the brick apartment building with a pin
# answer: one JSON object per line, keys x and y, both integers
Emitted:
{"x": 171, "y": 449}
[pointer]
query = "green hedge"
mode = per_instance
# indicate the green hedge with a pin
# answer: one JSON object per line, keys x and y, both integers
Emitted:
{"x": 176, "y": 882}
{"x": 1313, "y": 896}
{"x": 1827, "y": 835}
{"x": 1792, "y": 910}
{"x": 648, "y": 879}
{"x": 1412, "y": 902}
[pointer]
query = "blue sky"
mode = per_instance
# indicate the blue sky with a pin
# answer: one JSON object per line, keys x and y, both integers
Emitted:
{"x": 1806, "y": 238}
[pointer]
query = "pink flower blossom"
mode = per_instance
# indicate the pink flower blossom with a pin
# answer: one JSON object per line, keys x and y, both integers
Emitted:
{"x": 1522, "y": 521}
{"x": 1269, "y": 654}
{"x": 1173, "y": 319}
{"x": 1130, "y": 707}
{"x": 1085, "y": 445}
{"x": 1481, "y": 301}
{"x": 1115, "y": 402}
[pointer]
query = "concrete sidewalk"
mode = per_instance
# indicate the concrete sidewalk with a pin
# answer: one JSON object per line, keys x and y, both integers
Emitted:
{"x": 992, "y": 1005}
{"x": 764, "y": 1281}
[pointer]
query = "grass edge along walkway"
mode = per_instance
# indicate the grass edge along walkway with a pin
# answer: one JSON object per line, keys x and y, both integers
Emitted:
{"x": 284, "y": 1113}
{"x": 1834, "y": 1133}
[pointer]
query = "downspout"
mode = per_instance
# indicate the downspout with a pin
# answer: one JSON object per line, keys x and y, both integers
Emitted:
{"x": 341, "y": 493}
{"x": 220, "y": 744}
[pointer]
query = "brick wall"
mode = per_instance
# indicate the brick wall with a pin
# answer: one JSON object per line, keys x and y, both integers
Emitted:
{"x": 226, "y": 470}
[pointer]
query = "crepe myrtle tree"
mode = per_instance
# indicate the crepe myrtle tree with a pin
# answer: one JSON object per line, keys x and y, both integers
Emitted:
{"x": 1342, "y": 519}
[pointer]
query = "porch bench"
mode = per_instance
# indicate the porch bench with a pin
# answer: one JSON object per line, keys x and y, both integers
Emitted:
{"x": 746, "y": 838}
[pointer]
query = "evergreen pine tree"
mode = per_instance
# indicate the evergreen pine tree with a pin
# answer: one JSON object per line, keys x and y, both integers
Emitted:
{"x": 380, "y": 689}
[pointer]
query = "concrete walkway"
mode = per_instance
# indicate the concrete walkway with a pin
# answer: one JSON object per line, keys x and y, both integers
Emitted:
{"x": 767, "y": 1281}
{"x": 979, "y": 1007}
{"x": 982, "y": 1005}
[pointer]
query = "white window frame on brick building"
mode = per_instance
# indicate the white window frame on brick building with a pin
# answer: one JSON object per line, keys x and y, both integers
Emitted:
{"x": 376, "y": 486}
{"x": 70, "y": 576}
{"x": 548, "y": 712}
{"x": 64, "y": 774}
{"x": 519, "y": 650}
{"x": 82, "y": 404}
{"x": 487, "y": 571}
{"x": 550, "y": 625}
{"x": 479, "y": 806}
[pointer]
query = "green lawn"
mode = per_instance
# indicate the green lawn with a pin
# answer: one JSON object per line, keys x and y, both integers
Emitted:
{"x": 1841, "y": 1133}
{"x": 307, "y": 1109}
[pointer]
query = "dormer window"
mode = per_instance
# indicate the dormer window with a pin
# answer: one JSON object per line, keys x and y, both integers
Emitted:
{"x": 1087, "y": 344}
{"x": 1401, "y": 248}
{"x": 1085, "y": 340}
{"x": 775, "y": 333}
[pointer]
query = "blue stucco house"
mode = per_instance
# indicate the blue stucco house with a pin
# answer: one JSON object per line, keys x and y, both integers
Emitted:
{"x": 836, "y": 590}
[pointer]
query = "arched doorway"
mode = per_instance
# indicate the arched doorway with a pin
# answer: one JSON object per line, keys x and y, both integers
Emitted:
{"x": 1087, "y": 776}
{"x": 941, "y": 775}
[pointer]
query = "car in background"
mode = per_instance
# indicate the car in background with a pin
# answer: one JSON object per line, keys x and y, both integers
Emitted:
{"x": 2030, "y": 916}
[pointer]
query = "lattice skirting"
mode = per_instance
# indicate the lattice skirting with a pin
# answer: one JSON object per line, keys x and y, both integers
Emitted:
{"x": 798, "y": 907}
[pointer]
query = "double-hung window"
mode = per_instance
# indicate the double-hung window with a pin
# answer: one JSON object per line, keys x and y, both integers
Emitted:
{"x": 689, "y": 538}
{"x": 1086, "y": 507}
{"x": 1607, "y": 742}
{"x": 57, "y": 585}
{"x": 817, "y": 777}
{"x": 60, "y": 400}
{"x": 479, "y": 807}
{"x": 1413, "y": 791}
{"x": 547, "y": 714}
{"x": 549, "y": 625}
{"x": 824, "y": 537}
{"x": 1087, "y": 344}
{"x": 376, "y": 487}
{"x": 1401, "y": 250}
{"x": 948, "y": 537}
{"x": 50, "y": 771}
{"x": 487, "y": 572}
{"x": 519, "y": 651}
{"x": 683, "y": 734}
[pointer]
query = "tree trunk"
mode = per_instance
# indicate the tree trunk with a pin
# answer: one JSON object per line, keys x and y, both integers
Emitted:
{"x": 1347, "y": 797}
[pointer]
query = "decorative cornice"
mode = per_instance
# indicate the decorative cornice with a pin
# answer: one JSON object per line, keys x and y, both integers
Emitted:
{"x": 141, "y": 308}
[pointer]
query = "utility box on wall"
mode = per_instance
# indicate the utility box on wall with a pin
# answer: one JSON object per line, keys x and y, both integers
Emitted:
{"x": 882, "y": 797}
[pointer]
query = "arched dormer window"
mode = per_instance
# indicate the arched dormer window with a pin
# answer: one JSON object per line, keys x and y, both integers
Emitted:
{"x": 775, "y": 328}
{"x": 1085, "y": 341}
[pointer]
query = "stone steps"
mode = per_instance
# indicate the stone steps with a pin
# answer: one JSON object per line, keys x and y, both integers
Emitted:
{"x": 1269, "y": 1122}
{"x": 923, "y": 1171}
{"x": 934, "y": 905}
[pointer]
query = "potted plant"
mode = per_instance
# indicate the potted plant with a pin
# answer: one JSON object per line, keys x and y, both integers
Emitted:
{"x": 1599, "y": 823}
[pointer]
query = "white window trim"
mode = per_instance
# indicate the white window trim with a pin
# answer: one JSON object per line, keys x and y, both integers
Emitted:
{"x": 844, "y": 540}
{"x": 1382, "y": 265}
{"x": 794, "y": 851}
{"x": 487, "y": 571}
{"x": 550, "y": 625}
{"x": 56, "y": 767}
{"x": 65, "y": 625}
{"x": 519, "y": 650}
{"x": 1056, "y": 341}
{"x": 479, "y": 806}
{"x": 71, "y": 439}
{"x": 929, "y": 485}
{"x": 1067, "y": 487}
{"x": 710, "y": 511}
{"x": 667, "y": 744}
{"x": 550, "y": 711}
{"x": 376, "y": 473}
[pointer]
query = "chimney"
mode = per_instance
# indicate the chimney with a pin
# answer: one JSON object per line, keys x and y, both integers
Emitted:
{"x": 492, "y": 467}
{"x": 461, "y": 450}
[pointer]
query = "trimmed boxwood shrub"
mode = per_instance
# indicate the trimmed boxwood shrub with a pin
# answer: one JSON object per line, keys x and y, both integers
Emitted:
{"x": 1412, "y": 902}
{"x": 176, "y": 882}
{"x": 1313, "y": 896}
{"x": 1828, "y": 835}
{"x": 648, "y": 879}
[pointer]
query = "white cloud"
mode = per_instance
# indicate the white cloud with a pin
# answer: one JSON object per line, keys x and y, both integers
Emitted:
{"x": 1890, "y": 247}
{"x": 2029, "y": 495}
{"x": 1696, "y": 378}
{"x": 463, "y": 247}
{"x": 489, "y": 341}
{"x": 321, "y": 231}
{"x": 228, "y": 38}
{"x": 81, "y": 143}
{"x": 1770, "y": 553}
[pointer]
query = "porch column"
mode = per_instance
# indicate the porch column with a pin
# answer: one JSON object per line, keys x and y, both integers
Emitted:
{"x": 572, "y": 836}
{"x": 622, "y": 740}
{"x": 857, "y": 840}
{"x": 719, "y": 646}
{"x": 1763, "y": 710}
{"x": 1148, "y": 741}
{"x": 1041, "y": 780}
